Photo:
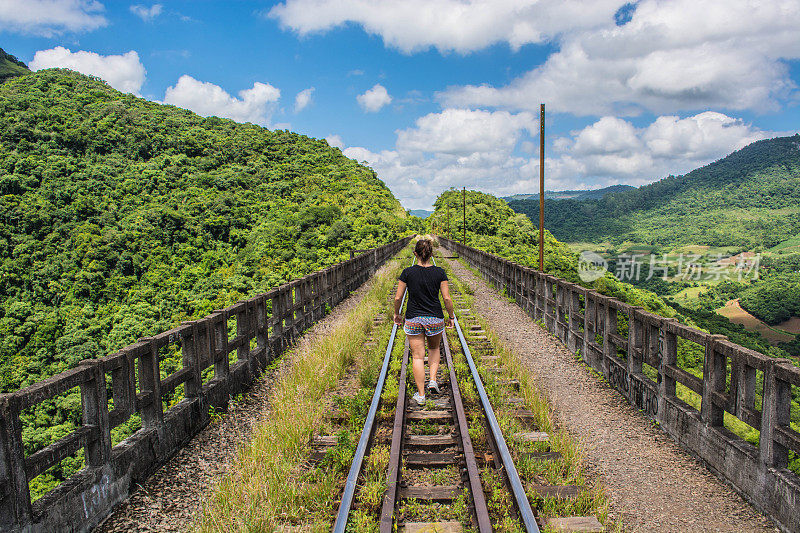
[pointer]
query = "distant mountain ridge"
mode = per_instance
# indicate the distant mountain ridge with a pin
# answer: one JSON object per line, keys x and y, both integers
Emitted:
{"x": 421, "y": 213}
{"x": 11, "y": 67}
{"x": 580, "y": 194}
{"x": 748, "y": 199}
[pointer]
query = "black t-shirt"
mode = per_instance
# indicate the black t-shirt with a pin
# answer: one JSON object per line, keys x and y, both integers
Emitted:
{"x": 423, "y": 290}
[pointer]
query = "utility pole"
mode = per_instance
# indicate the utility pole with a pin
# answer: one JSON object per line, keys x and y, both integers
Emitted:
{"x": 541, "y": 188}
{"x": 464, "y": 205}
{"x": 448, "y": 219}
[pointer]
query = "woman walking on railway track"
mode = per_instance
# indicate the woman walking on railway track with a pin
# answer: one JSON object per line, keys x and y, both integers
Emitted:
{"x": 424, "y": 318}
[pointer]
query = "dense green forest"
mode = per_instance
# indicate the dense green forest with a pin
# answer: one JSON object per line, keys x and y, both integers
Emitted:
{"x": 775, "y": 296}
{"x": 773, "y": 299}
{"x": 11, "y": 67}
{"x": 123, "y": 217}
{"x": 749, "y": 199}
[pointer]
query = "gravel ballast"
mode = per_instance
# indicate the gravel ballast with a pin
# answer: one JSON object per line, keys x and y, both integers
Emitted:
{"x": 652, "y": 484}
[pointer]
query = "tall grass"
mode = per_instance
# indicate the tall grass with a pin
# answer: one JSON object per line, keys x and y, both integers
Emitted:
{"x": 266, "y": 486}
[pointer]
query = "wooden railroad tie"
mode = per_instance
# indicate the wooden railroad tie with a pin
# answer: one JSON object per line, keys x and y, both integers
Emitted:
{"x": 432, "y": 527}
{"x": 430, "y": 459}
{"x": 443, "y": 416}
{"x": 584, "y": 524}
{"x": 439, "y": 493}
{"x": 431, "y": 440}
{"x": 532, "y": 436}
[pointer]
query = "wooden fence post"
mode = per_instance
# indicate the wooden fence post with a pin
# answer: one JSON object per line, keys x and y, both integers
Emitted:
{"x": 669, "y": 356}
{"x": 150, "y": 384}
{"x": 635, "y": 340}
{"x": 775, "y": 411}
{"x": 714, "y": 379}
{"x": 589, "y": 327}
{"x": 611, "y": 327}
{"x": 190, "y": 353}
{"x": 94, "y": 406}
{"x": 15, "y": 505}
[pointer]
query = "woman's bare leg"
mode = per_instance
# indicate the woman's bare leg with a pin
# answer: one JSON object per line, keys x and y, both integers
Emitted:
{"x": 434, "y": 344}
{"x": 417, "y": 345}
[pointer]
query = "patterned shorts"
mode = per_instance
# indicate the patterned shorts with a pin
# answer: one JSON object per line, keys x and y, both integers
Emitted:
{"x": 429, "y": 325}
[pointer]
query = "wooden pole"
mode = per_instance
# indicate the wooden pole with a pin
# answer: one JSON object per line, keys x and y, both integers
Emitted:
{"x": 541, "y": 188}
{"x": 449, "y": 236}
{"x": 464, "y": 206}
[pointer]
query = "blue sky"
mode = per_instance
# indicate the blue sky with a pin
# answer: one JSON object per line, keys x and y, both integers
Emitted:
{"x": 445, "y": 93}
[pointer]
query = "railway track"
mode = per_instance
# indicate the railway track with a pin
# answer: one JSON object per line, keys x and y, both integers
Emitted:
{"x": 449, "y": 464}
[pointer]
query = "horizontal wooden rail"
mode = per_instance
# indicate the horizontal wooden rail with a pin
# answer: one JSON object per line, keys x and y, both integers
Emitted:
{"x": 618, "y": 340}
{"x": 214, "y": 367}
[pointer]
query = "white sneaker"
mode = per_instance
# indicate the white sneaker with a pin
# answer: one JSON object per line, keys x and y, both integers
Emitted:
{"x": 433, "y": 387}
{"x": 418, "y": 398}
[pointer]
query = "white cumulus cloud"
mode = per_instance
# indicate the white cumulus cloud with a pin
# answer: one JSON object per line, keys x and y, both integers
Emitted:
{"x": 680, "y": 55}
{"x": 374, "y": 99}
{"x": 147, "y": 13}
{"x": 204, "y": 98}
{"x": 480, "y": 149}
{"x": 123, "y": 72}
{"x": 465, "y": 132}
{"x": 335, "y": 141}
{"x": 51, "y": 17}
{"x": 612, "y": 150}
{"x": 448, "y": 25}
{"x": 302, "y": 99}
{"x": 454, "y": 148}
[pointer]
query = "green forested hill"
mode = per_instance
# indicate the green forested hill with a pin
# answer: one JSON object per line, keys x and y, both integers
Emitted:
{"x": 570, "y": 195}
{"x": 10, "y": 66}
{"x": 122, "y": 217}
{"x": 748, "y": 199}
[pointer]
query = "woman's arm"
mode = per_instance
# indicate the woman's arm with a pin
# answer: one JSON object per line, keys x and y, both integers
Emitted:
{"x": 448, "y": 302}
{"x": 398, "y": 302}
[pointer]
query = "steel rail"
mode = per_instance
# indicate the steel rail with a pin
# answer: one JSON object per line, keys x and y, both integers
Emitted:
{"x": 523, "y": 505}
{"x": 369, "y": 424}
{"x": 395, "y": 452}
{"x": 476, "y": 488}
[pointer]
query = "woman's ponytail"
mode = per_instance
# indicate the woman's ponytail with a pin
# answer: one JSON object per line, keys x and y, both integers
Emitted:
{"x": 424, "y": 249}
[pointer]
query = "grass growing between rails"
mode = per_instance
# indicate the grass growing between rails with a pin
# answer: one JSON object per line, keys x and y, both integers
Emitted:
{"x": 267, "y": 485}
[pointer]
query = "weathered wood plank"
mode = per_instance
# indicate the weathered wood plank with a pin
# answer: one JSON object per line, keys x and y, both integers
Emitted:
{"x": 431, "y": 440}
{"x": 543, "y": 456}
{"x": 439, "y": 493}
{"x": 584, "y": 524}
{"x": 430, "y": 459}
{"x": 430, "y": 415}
{"x": 532, "y": 436}
{"x": 432, "y": 527}
{"x": 324, "y": 440}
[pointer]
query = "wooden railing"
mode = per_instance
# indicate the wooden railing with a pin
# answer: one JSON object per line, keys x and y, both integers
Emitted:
{"x": 637, "y": 352}
{"x": 132, "y": 379}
